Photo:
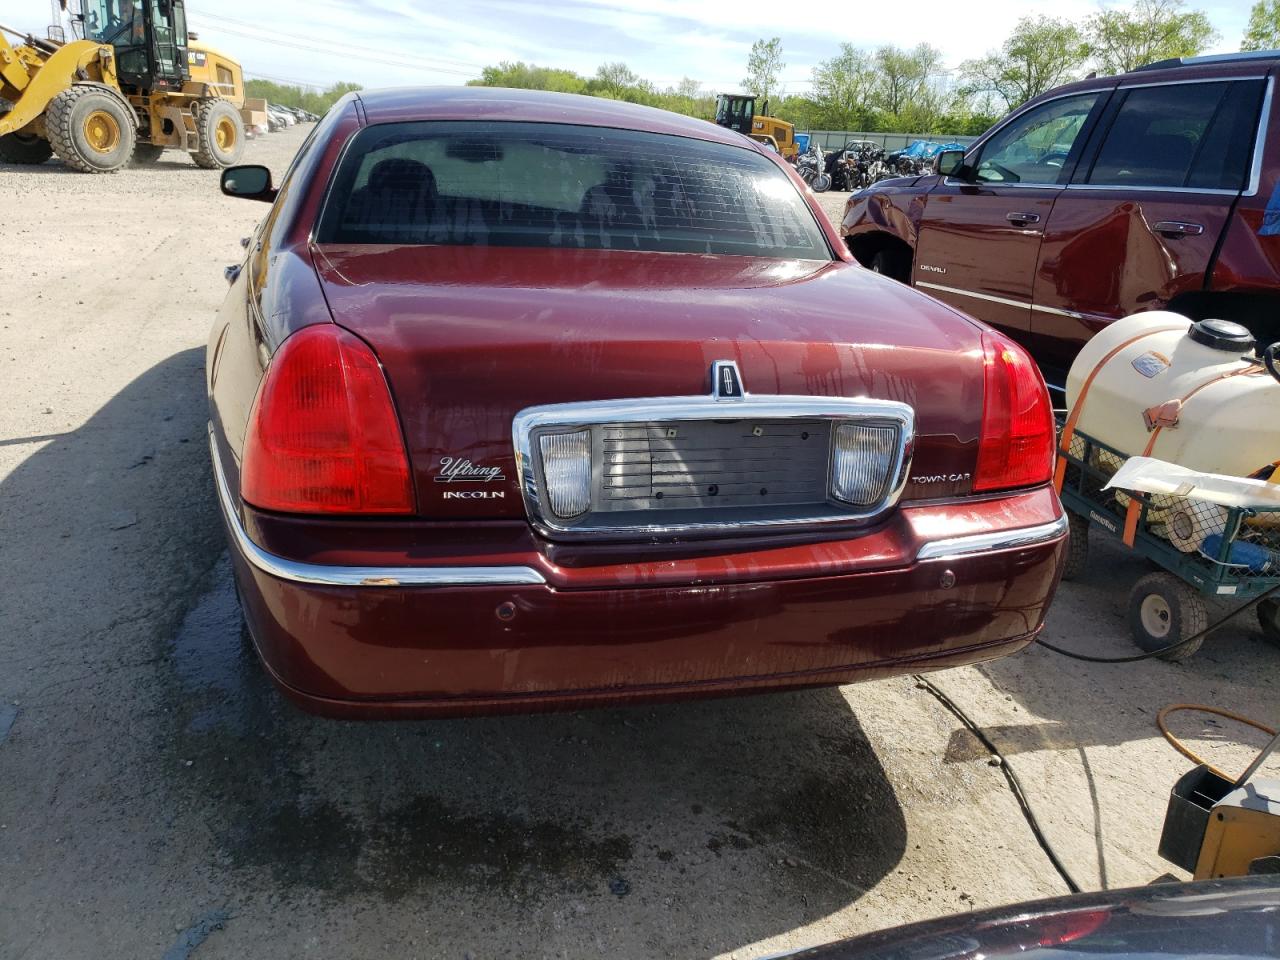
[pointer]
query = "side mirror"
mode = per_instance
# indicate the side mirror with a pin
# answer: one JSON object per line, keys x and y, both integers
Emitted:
{"x": 251, "y": 182}
{"x": 949, "y": 163}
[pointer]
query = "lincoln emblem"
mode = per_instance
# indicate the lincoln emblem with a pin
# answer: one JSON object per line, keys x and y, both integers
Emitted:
{"x": 726, "y": 382}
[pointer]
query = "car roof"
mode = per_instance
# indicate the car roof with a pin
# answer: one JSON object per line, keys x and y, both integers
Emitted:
{"x": 1215, "y": 67}
{"x": 539, "y": 106}
{"x": 1269, "y": 57}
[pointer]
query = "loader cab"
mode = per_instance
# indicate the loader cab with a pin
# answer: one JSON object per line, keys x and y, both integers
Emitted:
{"x": 149, "y": 38}
{"x": 735, "y": 111}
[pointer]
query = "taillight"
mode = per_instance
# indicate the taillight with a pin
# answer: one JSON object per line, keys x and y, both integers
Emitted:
{"x": 1016, "y": 449}
{"x": 1058, "y": 930}
{"x": 323, "y": 435}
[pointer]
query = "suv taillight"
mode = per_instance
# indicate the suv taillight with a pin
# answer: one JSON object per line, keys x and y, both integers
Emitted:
{"x": 1016, "y": 449}
{"x": 323, "y": 435}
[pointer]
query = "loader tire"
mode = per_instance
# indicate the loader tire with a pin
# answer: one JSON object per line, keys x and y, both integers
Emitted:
{"x": 91, "y": 129}
{"x": 146, "y": 153}
{"x": 219, "y": 132}
{"x": 25, "y": 148}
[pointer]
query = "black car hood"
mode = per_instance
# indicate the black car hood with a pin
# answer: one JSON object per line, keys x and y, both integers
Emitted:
{"x": 1237, "y": 918}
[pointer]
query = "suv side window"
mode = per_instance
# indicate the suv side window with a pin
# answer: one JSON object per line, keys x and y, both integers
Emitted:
{"x": 1035, "y": 147}
{"x": 1196, "y": 135}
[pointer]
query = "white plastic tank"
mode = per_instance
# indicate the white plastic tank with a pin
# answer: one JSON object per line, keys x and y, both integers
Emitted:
{"x": 1160, "y": 366}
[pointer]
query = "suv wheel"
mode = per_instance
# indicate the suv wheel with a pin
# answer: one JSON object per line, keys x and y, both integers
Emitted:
{"x": 892, "y": 263}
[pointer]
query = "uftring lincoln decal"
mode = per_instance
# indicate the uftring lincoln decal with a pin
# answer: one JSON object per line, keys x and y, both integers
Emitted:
{"x": 461, "y": 470}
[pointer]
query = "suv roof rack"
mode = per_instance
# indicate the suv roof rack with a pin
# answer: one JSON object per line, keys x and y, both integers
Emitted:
{"x": 1243, "y": 57}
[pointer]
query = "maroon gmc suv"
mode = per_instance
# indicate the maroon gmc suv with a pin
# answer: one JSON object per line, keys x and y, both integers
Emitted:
{"x": 1155, "y": 189}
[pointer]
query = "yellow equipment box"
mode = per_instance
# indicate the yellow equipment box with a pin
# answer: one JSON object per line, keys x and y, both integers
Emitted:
{"x": 1219, "y": 828}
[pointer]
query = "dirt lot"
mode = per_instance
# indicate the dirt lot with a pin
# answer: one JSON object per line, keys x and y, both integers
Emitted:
{"x": 154, "y": 788}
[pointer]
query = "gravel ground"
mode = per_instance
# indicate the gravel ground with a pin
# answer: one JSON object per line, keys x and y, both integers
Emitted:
{"x": 157, "y": 795}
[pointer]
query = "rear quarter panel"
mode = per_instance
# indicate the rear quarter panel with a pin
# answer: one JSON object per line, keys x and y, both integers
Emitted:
{"x": 277, "y": 290}
{"x": 1249, "y": 258}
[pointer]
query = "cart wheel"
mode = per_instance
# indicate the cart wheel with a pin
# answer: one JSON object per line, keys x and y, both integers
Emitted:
{"x": 1164, "y": 610}
{"x": 1269, "y": 620}
{"x": 1077, "y": 548}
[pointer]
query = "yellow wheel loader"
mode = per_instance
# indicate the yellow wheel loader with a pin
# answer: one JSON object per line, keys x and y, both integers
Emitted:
{"x": 737, "y": 111}
{"x": 128, "y": 85}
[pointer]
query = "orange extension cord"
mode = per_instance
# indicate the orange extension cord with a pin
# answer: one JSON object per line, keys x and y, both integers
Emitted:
{"x": 1183, "y": 749}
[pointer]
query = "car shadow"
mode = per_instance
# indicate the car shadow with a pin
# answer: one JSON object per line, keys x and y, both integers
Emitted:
{"x": 717, "y": 822}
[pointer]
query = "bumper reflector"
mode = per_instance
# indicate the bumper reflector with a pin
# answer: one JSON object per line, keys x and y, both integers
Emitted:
{"x": 566, "y": 468}
{"x": 861, "y": 459}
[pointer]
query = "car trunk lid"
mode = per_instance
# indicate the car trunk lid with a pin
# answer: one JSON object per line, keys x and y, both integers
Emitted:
{"x": 470, "y": 336}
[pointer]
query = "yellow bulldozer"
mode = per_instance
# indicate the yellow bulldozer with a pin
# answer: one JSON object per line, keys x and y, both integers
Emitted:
{"x": 127, "y": 84}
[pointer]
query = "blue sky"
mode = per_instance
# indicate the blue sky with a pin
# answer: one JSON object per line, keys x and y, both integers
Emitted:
{"x": 393, "y": 42}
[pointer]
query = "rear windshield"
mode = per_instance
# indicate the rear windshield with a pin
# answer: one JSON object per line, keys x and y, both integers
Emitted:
{"x": 552, "y": 185}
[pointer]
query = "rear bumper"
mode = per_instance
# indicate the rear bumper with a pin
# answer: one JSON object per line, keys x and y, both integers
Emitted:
{"x": 414, "y": 640}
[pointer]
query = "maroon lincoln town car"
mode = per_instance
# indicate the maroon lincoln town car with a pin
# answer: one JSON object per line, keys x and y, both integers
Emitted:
{"x": 527, "y": 400}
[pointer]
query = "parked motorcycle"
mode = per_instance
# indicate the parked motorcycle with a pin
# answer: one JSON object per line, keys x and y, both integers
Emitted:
{"x": 856, "y": 163}
{"x": 811, "y": 166}
{"x": 840, "y": 167}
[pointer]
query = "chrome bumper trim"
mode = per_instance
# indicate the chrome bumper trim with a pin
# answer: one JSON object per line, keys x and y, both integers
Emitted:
{"x": 1020, "y": 304}
{"x": 335, "y": 576}
{"x": 988, "y": 542}
{"x": 563, "y": 417}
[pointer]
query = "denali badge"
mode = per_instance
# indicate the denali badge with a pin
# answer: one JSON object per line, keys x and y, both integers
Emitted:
{"x": 457, "y": 470}
{"x": 726, "y": 382}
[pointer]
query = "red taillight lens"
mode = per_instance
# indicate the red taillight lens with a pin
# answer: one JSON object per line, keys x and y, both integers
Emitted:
{"x": 1016, "y": 449}
{"x": 323, "y": 435}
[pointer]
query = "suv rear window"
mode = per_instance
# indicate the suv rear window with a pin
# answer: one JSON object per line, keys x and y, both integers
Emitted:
{"x": 1196, "y": 135}
{"x": 552, "y": 185}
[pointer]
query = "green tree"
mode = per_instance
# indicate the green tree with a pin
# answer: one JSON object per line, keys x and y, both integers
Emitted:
{"x": 763, "y": 66}
{"x": 613, "y": 80}
{"x": 529, "y": 76}
{"x": 287, "y": 95}
{"x": 1041, "y": 53}
{"x": 1123, "y": 40}
{"x": 1263, "y": 32}
{"x": 804, "y": 112}
{"x": 842, "y": 90}
{"x": 904, "y": 90}
{"x": 688, "y": 87}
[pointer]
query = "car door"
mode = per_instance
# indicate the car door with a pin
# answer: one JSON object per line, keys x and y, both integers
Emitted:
{"x": 1146, "y": 207}
{"x": 979, "y": 236}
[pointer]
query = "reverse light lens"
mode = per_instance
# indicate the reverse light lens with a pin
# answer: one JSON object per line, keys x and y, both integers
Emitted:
{"x": 862, "y": 457}
{"x": 1016, "y": 449}
{"x": 323, "y": 435}
{"x": 566, "y": 469}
